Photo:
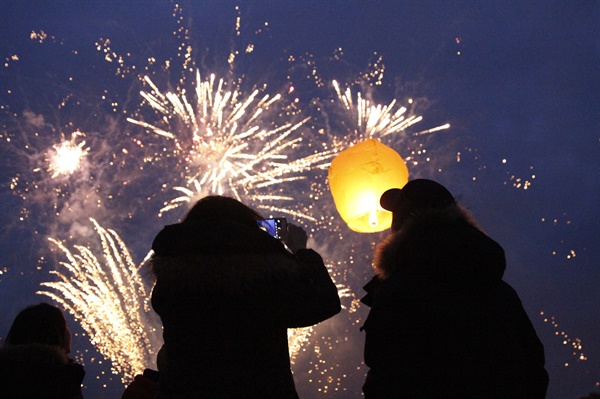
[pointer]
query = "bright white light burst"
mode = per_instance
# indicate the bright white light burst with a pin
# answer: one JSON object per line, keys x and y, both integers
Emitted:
{"x": 64, "y": 158}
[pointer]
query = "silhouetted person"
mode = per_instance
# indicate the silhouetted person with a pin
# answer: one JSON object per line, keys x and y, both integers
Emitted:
{"x": 227, "y": 292}
{"x": 34, "y": 361}
{"x": 442, "y": 322}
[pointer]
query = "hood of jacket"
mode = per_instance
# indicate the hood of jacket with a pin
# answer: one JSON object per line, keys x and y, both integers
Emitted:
{"x": 444, "y": 244}
{"x": 220, "y": 256}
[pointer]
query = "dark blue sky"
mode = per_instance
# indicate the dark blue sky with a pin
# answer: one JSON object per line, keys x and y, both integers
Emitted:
{"x": 518, "y": 81}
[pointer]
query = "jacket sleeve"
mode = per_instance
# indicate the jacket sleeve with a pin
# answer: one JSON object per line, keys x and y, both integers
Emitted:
{"x": 312, "y": 297}
{"x": 519, "y": 328}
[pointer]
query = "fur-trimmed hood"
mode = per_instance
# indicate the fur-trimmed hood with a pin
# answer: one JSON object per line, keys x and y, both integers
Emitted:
{"x": 445, "y": 243}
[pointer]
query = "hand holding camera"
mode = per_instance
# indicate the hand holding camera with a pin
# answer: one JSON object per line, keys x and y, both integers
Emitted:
{"x": 295, "y": 237}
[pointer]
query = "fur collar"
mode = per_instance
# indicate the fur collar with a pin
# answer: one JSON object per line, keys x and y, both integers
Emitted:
{"x": 446, "y": 243}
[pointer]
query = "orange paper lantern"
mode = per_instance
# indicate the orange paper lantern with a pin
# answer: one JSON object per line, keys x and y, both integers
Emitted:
{"x": 357, "y": 178}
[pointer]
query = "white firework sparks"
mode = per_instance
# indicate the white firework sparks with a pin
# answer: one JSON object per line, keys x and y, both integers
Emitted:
{"x": 376, "y": 120}
{"x": 109, "y": 300}
{"x": 224, "y": 145}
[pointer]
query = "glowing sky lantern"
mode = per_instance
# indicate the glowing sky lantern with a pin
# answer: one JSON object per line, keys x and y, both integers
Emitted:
{"x": 357, "y": 178}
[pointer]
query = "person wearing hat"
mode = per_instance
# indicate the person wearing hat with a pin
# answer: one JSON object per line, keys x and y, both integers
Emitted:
{"x": 443, "y": 323}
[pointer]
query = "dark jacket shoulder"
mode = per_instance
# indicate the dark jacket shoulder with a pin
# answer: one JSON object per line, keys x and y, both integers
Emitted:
{"x": 39, "y": 371}
{"x": 221, "y": 259}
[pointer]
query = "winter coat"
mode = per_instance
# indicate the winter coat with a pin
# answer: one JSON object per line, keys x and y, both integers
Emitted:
{"x": 442, "y": 323}
{"x": 226, "y": 294}
{"x": 34, "y": 371}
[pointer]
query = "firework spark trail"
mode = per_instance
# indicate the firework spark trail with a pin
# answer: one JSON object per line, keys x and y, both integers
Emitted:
{"x": 223, "y": 147}
{"x": 109, "y": 300}
{"x": 376, "y": 121}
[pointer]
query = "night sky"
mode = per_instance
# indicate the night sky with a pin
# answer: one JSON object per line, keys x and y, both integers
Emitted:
{"x": 519, "y": 83}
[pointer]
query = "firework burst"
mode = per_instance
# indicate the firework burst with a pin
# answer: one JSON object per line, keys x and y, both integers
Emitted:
{"x": 108, "y": 298}
{"x": 66, "y": 157}
{"x": 377, "y": 120}
{"x": 226, "y": 145}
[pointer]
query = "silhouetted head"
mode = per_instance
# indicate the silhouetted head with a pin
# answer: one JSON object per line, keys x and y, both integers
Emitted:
{"x": 416, "y": 196}
{"x": 216, "y": 206}
{"x": 40, "y": 324}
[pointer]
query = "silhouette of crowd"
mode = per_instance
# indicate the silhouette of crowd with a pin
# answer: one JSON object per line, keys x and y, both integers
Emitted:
{"x": 442, "y": 323}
